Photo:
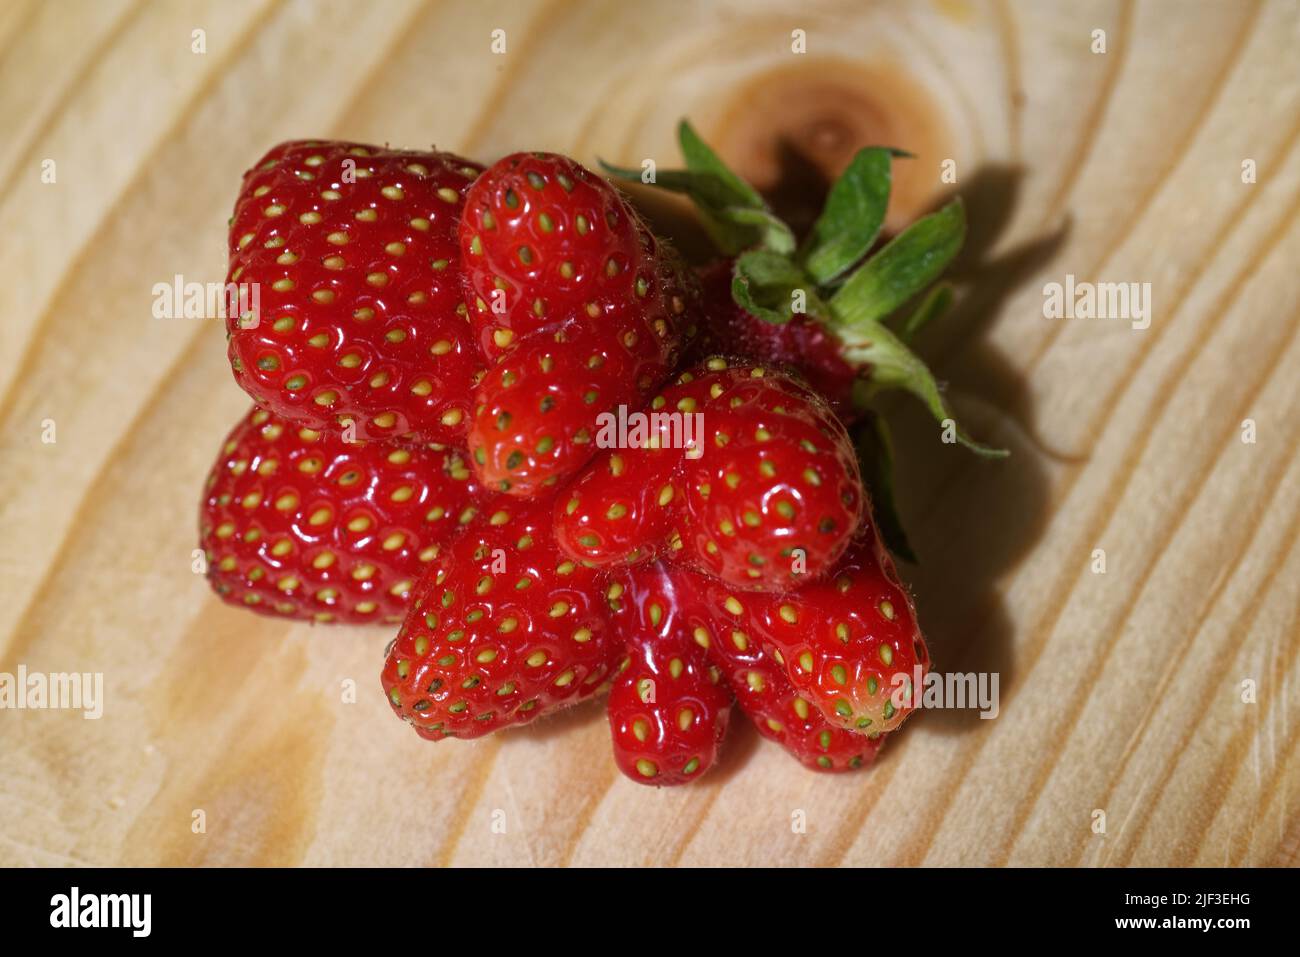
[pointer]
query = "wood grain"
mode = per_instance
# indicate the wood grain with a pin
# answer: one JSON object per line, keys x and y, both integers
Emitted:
{"x": 1120, "y": 692}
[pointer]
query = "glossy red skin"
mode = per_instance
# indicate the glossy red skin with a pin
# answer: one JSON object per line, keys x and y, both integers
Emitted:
{"x": 632, "y": 484}
{"x": 502, "y": 228}
{"x": 460, "y": 666}
{"x": 802, "y": 632}
{"x": 814, "y": 474}
{"x": 802, "y": 344}
{"x": 668, "y": 706}
{"x": 407, "y": 369}
{"x": 566, "y": 348}
{"x": 769, "y": 444}
{"x": 271, "y": 478}
{"x": 765, "y": 694}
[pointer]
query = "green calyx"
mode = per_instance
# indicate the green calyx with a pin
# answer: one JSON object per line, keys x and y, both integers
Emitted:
{"x": 830, "y": 277}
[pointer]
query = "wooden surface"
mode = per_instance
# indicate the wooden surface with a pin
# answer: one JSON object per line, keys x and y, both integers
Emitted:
{"x": 1121, "y": 691}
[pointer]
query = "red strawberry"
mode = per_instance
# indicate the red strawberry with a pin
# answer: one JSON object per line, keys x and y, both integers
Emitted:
{"x": 849, "y": 644}
{"x": 624, "y": 507}
{"x": 583, "y": 309}
{"x": 768, "y": 499}
{"x": 299, "y": 523}
{"x": 802, "y": 343}
{"x": 765, "y": 694}
{"x": 502, "y": 628}
{"x": 668, "y": 707}
{"x": 354, "y": 252}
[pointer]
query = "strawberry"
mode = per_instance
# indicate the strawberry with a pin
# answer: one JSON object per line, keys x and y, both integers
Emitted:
{"x": 849, "y": 644}
{"x": 299, "y": 523}
{"x": 801, "y": 344}
{"x": 768, "y": 498}
{"x": 502, "y": 628}
{"x": 766, "y": 695}
{"x": 580, "y": 306}
{"x": 836, "y": 305}
{"x": 668, "y": 707}
{"x": 354, "y": 253}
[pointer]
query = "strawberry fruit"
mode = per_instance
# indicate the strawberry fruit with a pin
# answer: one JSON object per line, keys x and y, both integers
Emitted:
{"x": 849, "y": 644}
{"x": 668, "y": 706}
{"x": 502, "y": 628}
{"x": 833, "y": 306}
{"x": 580, "y": 306}
{"x": 361, "y": 321}
{"x": 768, "y": 497}
{"x": 764, "y": 692}
{"x": 301, "y": 524}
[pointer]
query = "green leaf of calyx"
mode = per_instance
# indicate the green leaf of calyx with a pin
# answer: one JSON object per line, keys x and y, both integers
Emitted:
{"x": 907, "y": 264}
{"x": 766, "y": 283}
{"x": 734, "y": 214}
{"x": 851, "y": 219}
{"x": 700, "y": 159}
{"x": 710, "y": 196}
{"x": 932, "y": 306}
{"x": 894, "y": 366}
{"x": 774, "y": 234}
{"x": 876, "y": 455}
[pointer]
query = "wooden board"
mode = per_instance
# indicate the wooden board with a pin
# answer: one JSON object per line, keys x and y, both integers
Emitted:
{"x": 1121, "y": 692}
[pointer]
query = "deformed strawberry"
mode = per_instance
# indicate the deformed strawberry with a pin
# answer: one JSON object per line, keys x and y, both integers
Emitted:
{"x": 839, "y": 306}
{"x": 801, "y": 343}
{"x": 299, "y": 523}
{"x": 849, "y": 644}
{"x": 502, "y": 628}
{"x": 360, "y": 316}
{"x": 580, "y": 305}
{"x": 767, "y": 497}
{"x": 668, "y": 706}
{"x": 765, "y": 694}
{"x": 775, "y": 494}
